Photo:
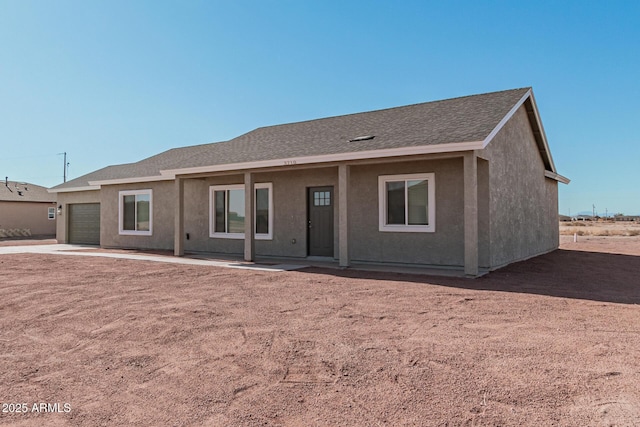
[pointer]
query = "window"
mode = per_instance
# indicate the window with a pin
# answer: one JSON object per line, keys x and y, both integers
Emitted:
{"x": 407, "y": 203}
{"x": 321, "y": 198}
{"x": 51, "y": 213}
{"x": 136, "y": 212}
{"x": 227, "y": 211}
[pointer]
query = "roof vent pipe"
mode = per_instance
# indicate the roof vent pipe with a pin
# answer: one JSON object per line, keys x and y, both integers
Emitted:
{"x": 362, "y": 138}
{"x": 6, "y": 181}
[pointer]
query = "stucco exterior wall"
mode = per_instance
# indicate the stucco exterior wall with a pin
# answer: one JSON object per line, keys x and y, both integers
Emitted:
{"x": 289, "y": 210}
{"x": 552, "y": 213}
{"x": 33, "y": 216}
{"x": 484, "y": 212}
{"x": 196, "y": 217}
{"x": 163, "y": 209}
{"x": 444, "y": 247}
{"x": 65, "y": 199}
{"x": 523, "y": 202}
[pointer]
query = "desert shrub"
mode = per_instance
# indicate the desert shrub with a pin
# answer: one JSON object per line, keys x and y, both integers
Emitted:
{"x": 566, "y": 231}
{"x": 603, "y": 230}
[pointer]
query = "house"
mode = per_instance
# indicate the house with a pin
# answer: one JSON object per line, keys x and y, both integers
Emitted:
{"x": 465, "y": 183}
{"x": 26, "y": 210}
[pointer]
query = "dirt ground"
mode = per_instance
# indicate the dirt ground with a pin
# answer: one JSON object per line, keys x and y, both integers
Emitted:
{"x": 554, "y": 340}
{"x": 26, "y": 242}
{"x": 600, "y": 228}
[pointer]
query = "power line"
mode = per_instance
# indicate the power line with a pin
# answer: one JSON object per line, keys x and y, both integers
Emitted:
{"x": 27, "y": 157}
{"x": 28, "y": 178}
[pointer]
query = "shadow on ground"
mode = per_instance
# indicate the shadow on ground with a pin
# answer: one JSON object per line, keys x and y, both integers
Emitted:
{"x": 595, "y": 276}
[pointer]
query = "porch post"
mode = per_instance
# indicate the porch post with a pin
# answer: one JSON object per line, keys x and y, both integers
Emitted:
{"x": 249, "y": 242}
{"x": 178, "y": 233}
{"x": 471, "y": 214}
{"x": 343, "y": 227}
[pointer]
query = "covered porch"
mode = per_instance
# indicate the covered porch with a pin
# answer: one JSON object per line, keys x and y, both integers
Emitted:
{"x": 292, "y": 212}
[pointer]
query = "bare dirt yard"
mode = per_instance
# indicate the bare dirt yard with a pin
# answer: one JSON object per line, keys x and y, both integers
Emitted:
{"x": 600, "y": 228}
{"x": 26, "y": 242}
{"x": 554, "y": 340}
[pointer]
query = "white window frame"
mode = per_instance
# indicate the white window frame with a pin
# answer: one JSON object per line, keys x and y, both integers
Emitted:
{"x": 121, "y": 230}
{"x": 51, "y": 213}
{"x": 269, "y": 235}
{"x": 225, "y": 235}
{"x": 431, "y": 201}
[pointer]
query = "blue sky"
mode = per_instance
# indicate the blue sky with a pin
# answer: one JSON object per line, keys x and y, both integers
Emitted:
{"x": 113, "y": 82}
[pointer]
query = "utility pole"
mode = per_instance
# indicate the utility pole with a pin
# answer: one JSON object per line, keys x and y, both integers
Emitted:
{"x": 65, "y": 166}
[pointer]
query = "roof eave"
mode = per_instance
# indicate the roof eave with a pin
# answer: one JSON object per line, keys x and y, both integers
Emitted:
{"x": 74, "y": 189}
{"x": 328, "y": 158}
{"x": 131, "y": 180}
{"x": 557, "y": 177}
{"x": 27, "y": 201}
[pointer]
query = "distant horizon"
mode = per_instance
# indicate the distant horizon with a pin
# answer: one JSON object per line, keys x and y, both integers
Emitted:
{"x": 116, "y": 82}
{"x": 606, "y": 215}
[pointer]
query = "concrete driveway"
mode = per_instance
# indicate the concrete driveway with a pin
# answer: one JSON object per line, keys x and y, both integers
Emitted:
{"x": 95, "y": 251}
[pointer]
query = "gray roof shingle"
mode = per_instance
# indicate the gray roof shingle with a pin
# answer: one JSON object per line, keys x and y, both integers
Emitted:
{"x": 465, "y": 119}
{"x": 12, "y": 191}
{"x": 151, "y": 166}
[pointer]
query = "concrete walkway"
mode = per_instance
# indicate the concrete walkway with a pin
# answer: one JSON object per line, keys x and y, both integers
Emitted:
{"x": 213, "y": 260}
{"x": 93, "y": 251}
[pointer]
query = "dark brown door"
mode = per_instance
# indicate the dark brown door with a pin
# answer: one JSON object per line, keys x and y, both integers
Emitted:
{"x": 320, "y": 221}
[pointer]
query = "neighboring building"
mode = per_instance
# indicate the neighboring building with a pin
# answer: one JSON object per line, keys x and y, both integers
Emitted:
{"x": 466, "y": 183}
{"x": 26, "y": 210}
{"x": 635, "y": 218}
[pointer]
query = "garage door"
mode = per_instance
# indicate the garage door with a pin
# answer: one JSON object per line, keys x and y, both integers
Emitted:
{"x": 84, "y": 223}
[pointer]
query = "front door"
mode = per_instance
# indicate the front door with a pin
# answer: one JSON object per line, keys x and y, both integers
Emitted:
{"x": 320, "y": 221}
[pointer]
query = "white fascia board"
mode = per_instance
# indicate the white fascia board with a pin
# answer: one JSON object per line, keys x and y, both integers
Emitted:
{"x": 511, "y": 112}
{"x": 506, "y": 118}
{"x": 73, "y": 189}
{"x": 328, "y": 158}
{"x": 542, "y": 133}
{"x": 132, "y": 180}
{"x": 557, "y": 177}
